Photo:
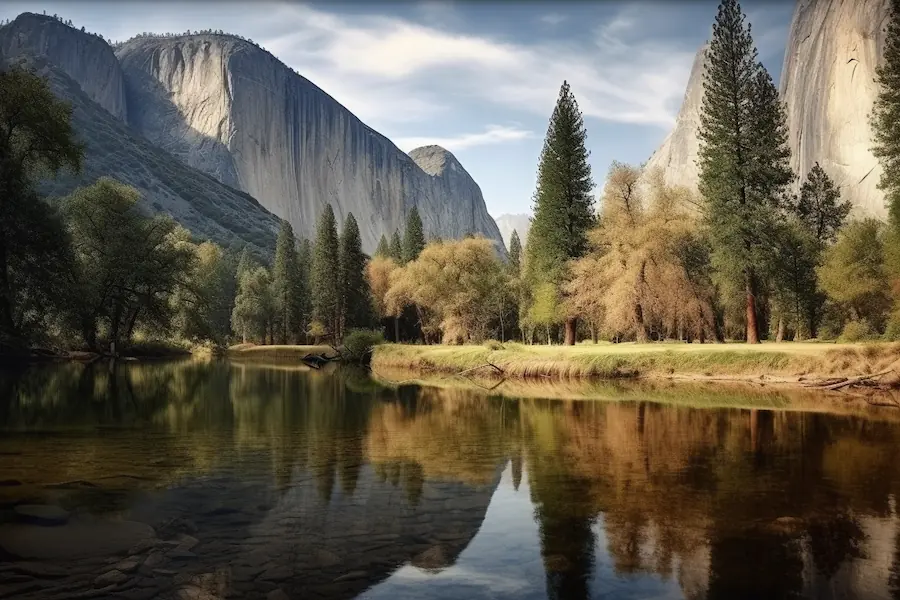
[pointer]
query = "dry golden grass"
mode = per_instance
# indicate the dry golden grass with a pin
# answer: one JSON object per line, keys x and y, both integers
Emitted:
{"x": 275, "y": 352}
{"x": 785, "y": 361}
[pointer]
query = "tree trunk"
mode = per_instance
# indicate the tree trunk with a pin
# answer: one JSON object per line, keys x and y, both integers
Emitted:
{"x": 594, "y": 332}
{"x": 549, "y": 341}
{"x": 752, "y": 325}
{"x": 571, "y": 327}
{"x": 779, "y": 337}
{"x": 7, "y": 326}
{"x": 640, "y": 330}
{"x": 502, "y": 333}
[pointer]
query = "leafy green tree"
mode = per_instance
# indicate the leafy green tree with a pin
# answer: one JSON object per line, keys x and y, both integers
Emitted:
{"x": 128, "y": 264}
{"x": 304, "y": 276}
{"x": 396, "y": 247}
{"x": 384, "y": 247}
{"x": 510, "y": 296}
{"x": 852, "y": 272}
{"x": 203, "y": 305}
{"x": 287, "y": 286}
{"x": 325, "y": 273}
{"x": 413, "y": 237}
{"x": 795, "y": 290}
{"x": 356, "y": 299}
{"x": 563, "y": 204}
{"x": 744, "y": 159}
{"x": 254, "y": 306}
{"x": 36, "y": 140}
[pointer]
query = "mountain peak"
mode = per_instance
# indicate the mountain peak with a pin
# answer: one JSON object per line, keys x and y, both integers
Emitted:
{"x": 435, "y": 160}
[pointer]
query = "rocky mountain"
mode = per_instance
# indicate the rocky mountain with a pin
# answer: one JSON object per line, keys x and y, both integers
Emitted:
{"x": 508, "y": 223}
{"x": 828, "y": 85}
{"x": 207, "y": 207}
{"x": 677, "y": 156}
{"x": 227, "y": 107}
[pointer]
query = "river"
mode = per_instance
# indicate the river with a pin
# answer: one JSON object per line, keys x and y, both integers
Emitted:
{"x": 204, "y": 480}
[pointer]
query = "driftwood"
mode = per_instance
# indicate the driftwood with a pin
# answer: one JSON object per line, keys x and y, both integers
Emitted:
{"x": 846, "y": 382}
{"x": 316, "y": 361}
{"x": 487, "y": 364}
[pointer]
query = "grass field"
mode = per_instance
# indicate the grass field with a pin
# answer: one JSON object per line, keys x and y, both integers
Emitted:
{"x": 787, "y": 361}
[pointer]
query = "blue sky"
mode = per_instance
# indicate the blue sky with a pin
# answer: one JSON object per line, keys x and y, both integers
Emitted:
{"x": 478, "y": 78}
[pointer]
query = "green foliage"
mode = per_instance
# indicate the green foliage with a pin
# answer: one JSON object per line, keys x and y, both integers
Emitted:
{"x": 857, "y": 331}
{"x": 563, "y": 204}
{"x": 396, "y": 249}
{"x": 819, "y": 206}
{"x": 852, "y": 272}
{"x": 36, "y": 140}
{"x": 128, "y": 264}
{"x": 744, "y": 158}
{"x": 304, "y": 280}
{"x": 254, "y": 306}
{"x": 203, "y": 308}
{"x": 356, "y": 298}
{"x": 413, "y": 237}
{"x": 514, "y": 257}
{"x": 325, "y": 285}
{"x": 384, "y": 247}
{"x": 885, "y": 117}
{"x": 493, "y": 345}
{"x": 287, "y": 286}
{"x": 359, "y": 343}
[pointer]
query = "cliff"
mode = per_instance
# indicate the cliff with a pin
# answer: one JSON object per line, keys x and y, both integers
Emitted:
{"x": 829, "y": 89}
{"x": 677, "y": 156}
{"x": 230, "y": 109}
{"x": 520, "y": 223}
{"x": 84, "y": 57}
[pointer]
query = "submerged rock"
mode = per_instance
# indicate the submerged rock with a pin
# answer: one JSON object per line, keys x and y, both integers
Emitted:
{"x": 42, "y": 514}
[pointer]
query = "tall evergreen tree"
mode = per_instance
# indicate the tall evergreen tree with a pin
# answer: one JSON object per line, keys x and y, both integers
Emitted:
{"x": 515, "y": 254}
{"x": 744, "y": 160}
{"x": 325, "y": 273}
{"x": 356, "y": 299}
{"x": 563, "y": 204}
{"x": 246, "y": 263}
{"x": 885, "y": 118}
{"x": 413, "y": 237}
{"x": 286, "y": 285}
{"x": 396, "y": 247}
{"x": 384, "y": 248}
{"x": 819, "y": 206}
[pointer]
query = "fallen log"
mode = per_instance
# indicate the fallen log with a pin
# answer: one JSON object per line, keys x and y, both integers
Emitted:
{"x": 487, "y": 364}
{"x": 852, "y": 381}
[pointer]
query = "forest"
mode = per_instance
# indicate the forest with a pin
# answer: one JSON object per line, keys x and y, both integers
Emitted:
{"x": 746, "y": 258}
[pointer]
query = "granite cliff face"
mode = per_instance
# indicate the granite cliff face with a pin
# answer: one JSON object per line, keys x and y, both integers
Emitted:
{"x": 84, "y": 57}
{"x": 677, "y": 156}
{"x": 828, "y": 85}
{"x": 232, "y": 110}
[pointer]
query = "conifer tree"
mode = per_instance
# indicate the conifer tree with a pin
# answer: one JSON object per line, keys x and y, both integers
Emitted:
{"x": 885, "y": 118}
{"x": 286, "y": 287}
{"x": 515, "y": 254}
{"x": 304, "y": 275}
{"x": 325, "y": 273}
{"x": 819, "y": 206}
{"x": 356, "y": 299}
{"x": 246, "y": 263}
{"x": 563, "y": 204}
{"x": 744, "y": 160}
{"x": 413, "y": 237}
{"x": 384, "y": 248}
{"x": 396, "y": 247}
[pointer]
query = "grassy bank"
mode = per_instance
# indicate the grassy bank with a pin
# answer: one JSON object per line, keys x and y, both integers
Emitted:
{"x": 783, "y": 362}
{"x": 275, "y": 352}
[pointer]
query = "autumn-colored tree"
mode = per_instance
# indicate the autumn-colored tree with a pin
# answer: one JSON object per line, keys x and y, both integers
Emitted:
{"x": 378, "y": 274}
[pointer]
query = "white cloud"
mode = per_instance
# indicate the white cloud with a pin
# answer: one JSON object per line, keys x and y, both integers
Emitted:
{"x": 493, "y": 134}
{"x": 553, "y": 19}
{"x": 374, "y": 64}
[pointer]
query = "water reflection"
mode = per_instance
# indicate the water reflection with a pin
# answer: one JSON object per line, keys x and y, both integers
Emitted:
{"x": 259, "y": 480}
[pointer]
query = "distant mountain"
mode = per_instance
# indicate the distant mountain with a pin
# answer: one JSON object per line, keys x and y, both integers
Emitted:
{"x": 518, "y": 222}
{"x": 207, "y": 207}
{"x": 225, "y": 106}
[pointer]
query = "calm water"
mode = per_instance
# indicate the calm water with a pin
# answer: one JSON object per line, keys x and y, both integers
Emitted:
{"x": 192, "y": 480}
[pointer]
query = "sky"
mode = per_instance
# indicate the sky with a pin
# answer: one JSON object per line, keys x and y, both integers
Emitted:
{"x": 478, "y": 78}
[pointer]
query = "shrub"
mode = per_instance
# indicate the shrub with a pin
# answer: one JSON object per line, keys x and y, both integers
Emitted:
{"x": 359, "y": 343}
{"x": 892, "y": 331}
{"x": 857, "y": 331}
{"x": 493, "y": 345}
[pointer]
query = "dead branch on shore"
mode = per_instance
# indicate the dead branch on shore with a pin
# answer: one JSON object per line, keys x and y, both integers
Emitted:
{"x": 892, "y": 403}
{"x": 487, "y": 364}
{"x": 846, "y": 382}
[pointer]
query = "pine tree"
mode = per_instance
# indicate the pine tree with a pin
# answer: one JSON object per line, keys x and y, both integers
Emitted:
{"x": 819, "y": 206}
{"x": 515, "y": 254}
{"x": 384, "y": 248}
{"x": 356, "y": 299}
{"x": 413, "y": 237}
{"x": 744, "y": 170}
{"x": 286, "y": 285}
{"x": 325, "y": 271}
{"x": 563, "y": 204}
{"x": 885, "y": 118}
{"x": 304, "y": 275}
{"x": 246, "y": 263}
{"x": 396, "y": 247}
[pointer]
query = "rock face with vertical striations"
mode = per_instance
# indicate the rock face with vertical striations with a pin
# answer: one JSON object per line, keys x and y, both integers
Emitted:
{"x": 84, "y": 57}
{"x": 677, "y": 156}
{"x": 231, "y": 109}
{"x": 828, "y": 86}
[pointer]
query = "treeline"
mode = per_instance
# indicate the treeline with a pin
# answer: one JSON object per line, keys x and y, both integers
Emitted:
{"x": 93, "y": 270}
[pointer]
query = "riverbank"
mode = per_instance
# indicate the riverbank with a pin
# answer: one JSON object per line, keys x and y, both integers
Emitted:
{"x": 277, "y": 352}
{"x": 786, "y": 362}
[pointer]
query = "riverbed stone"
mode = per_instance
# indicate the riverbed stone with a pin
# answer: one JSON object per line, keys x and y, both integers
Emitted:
{"x": 186, "y": 542}
{"x": 42, "y": 514}
{"x": 113, "y": 577}
{"x": 129, "y": 565}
